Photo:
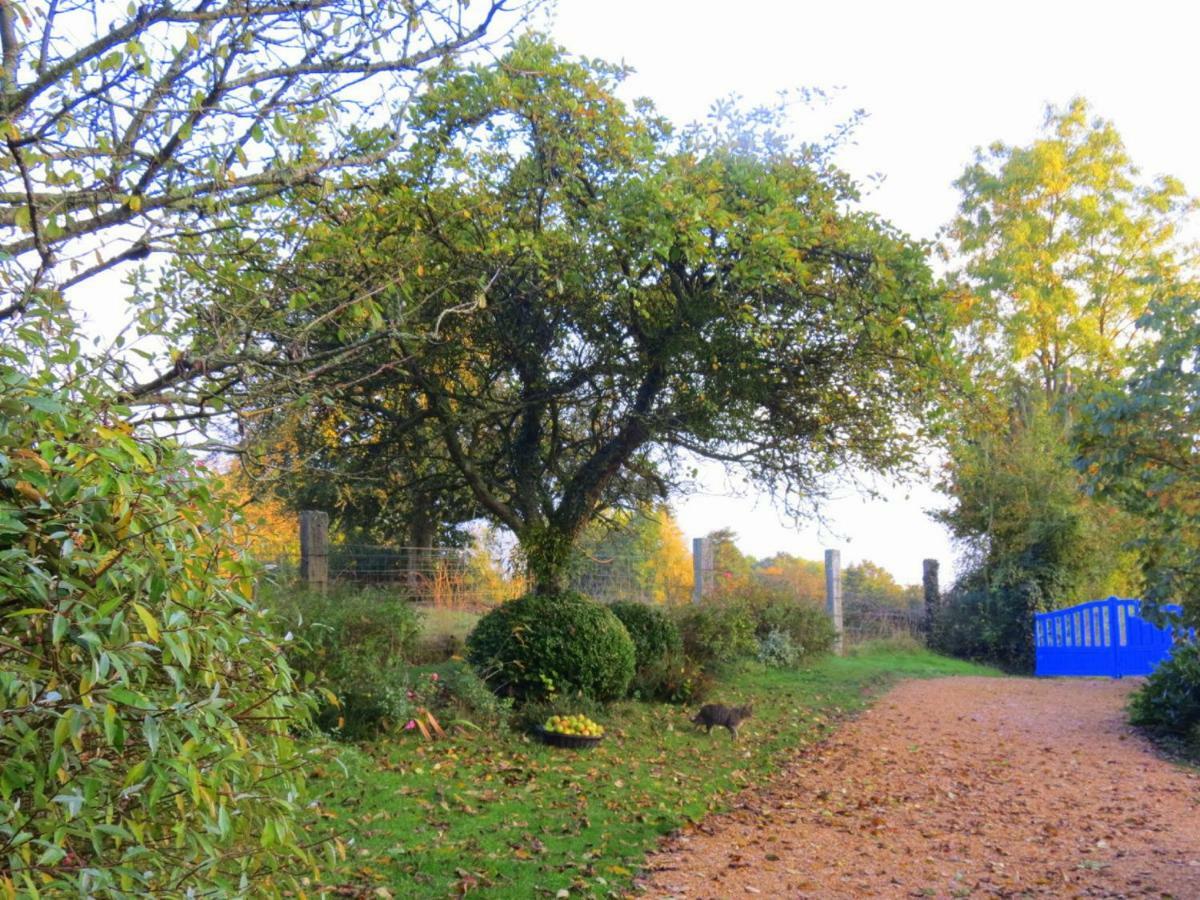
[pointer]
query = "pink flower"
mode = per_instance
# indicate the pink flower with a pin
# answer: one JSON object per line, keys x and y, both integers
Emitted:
{"x": 410, "y": 725}
{"x": 411, "y": 695}
{"x": 433, "y": 676}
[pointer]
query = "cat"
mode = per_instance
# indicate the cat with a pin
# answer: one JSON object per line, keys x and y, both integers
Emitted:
{"x": 719, "y": 714}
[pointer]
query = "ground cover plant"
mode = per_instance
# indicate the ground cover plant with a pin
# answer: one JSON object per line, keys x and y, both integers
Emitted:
{"x": 496, "y": 814}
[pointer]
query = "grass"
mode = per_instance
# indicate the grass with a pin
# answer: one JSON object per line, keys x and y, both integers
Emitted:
{"x": 441, "y": 622}
{"x": 496, "y": 814}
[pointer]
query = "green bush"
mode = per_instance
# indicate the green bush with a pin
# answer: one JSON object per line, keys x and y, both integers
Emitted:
{"x": 717, "y": 631}
{"x": 355, "y": 644}
{"x": 654, "y": 634}
{"x": 539, "y": 645}
{"x": 1169, "y": 701}
{"x": 145, "y": 714}
{"x": 672, "y": 678}
{"x": 807, "y": 627}
{"x": 990, "y": 623}
{"x": 777, "y": 650}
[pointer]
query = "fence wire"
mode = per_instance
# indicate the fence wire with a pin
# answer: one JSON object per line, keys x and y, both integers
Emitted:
{"x": 474, "y": 577}
{"x": 868, "y": 619}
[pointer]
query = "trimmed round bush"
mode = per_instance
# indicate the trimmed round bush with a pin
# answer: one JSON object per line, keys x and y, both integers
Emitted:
{"x": 654, "y": 635}
{"x": 540, "y": 645}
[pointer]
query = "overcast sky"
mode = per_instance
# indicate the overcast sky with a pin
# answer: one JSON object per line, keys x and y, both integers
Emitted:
{"x": 937, "y": 80}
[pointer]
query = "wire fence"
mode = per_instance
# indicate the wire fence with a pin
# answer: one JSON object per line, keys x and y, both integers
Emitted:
{"x": 868, "y": 619}
{"x": 475, "y": 577}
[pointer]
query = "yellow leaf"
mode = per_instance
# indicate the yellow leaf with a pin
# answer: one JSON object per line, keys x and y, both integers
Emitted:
{"x": 148, "y": 620}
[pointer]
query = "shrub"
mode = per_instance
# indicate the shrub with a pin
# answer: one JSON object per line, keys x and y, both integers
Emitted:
{"x": 539, "y": 645}
{"x": 807, "y": 627}
{"x": 990, "y": 623}
{"x": 654, "y": 634}
{"x": 671, "y": 679}
{"x": 777, "y": 650}
{"x": 145, "y": 711}
{"x": 717, "y": 631}
{"x": 355, "y": 644}
{"x": 1169, "y": 701}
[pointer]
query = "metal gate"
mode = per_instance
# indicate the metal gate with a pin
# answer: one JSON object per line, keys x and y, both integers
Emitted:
{"x": 1103, "y": 637}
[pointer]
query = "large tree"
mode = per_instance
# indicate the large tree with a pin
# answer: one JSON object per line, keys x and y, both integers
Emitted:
{"x": 583, "y": 303}
{"x": 1061, "y": 245}
{"x": 122, "y": 125}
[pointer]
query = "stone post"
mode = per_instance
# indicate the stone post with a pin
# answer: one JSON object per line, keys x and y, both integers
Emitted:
{"x": 702, "y": 568}
{"x": 833, "y": 596}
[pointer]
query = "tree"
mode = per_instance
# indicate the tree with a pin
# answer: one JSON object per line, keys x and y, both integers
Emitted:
{"x": 1138, "y": 448}
{"x": 805, "y": 578}
{"x": 1062, "y": 246}
{"x": 638, "y": 555}
{"x": 383, "y": 477}
{"x": 870, "y": 583}
{"x": 582, "y": 300}
{"x": 124, "y": 127}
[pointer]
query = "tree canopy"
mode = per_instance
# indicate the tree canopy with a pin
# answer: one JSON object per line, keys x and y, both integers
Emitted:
{"x": 124, "y": 127}
{"x": 1063, "y": 245}
{"x": 583, "y": 302}
{"x": 1139, "y": 444}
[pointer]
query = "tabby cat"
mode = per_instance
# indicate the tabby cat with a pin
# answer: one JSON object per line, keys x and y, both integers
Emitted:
{"x": 719, "y": 714}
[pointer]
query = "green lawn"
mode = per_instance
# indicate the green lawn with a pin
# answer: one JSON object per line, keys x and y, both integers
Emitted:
{"x": 499, "y": 815}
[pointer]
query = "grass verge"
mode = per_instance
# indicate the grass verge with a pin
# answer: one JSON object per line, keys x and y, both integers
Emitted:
{"x": 498, "y": 815}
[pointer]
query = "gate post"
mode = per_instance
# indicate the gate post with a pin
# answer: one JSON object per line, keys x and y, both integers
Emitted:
{"x": 702, "y": 568}
{"x": 314, "y": 548}
{"x": 833, "y": 595}
{"x": 933, "y": 596}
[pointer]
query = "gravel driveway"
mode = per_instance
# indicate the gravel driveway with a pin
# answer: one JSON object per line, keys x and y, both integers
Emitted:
{"x": 958, "y": 787}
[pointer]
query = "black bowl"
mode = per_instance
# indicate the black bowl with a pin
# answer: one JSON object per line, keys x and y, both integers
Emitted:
{"x": 573, "y": 741}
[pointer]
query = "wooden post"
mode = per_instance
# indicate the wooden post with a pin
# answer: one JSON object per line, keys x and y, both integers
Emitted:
{"x": 833, "y": 596}
{"x": 702, "y": 568}
{"x": 314, "y": 548}
{"x": 933, "y": 596}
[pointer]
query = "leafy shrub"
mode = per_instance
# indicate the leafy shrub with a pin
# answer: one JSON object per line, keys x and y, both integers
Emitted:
{"x": 467, "y": 695}
{"x": 989, "y": 623}
{"x": 145, "y": 711}
{"x": 654, "y": 634}
{"x": 355, "y": 644}
{"x": 807, "y": 627}
{"x": 671, "y": 679}
{"x": 1169, "y": 701}
{"x": 777, "y": 650}
{"x": 717, "y": 631}
{"x": 539, "y": 645}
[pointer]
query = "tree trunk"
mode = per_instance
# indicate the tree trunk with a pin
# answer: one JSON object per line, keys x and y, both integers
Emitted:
{"x": 548, "y": 555}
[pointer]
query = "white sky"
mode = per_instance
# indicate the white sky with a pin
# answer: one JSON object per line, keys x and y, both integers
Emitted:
{"x": 938, "y": 79}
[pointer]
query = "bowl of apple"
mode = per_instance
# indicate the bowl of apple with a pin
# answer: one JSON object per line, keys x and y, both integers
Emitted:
{"x": 576, "y": 732}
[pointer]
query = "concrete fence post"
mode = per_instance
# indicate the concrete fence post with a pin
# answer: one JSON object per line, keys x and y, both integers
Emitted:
{"x": 702, "y": 568}
{"x": 933, "y": 595}
{"x": 833, "y": 596}
{"x": 314, "y": 548}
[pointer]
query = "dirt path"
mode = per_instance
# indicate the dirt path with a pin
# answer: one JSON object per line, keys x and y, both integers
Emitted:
{"x": 958, "y": 787}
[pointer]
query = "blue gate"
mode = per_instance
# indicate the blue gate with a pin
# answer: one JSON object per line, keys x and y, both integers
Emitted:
{"x": 1103, "y": 637}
